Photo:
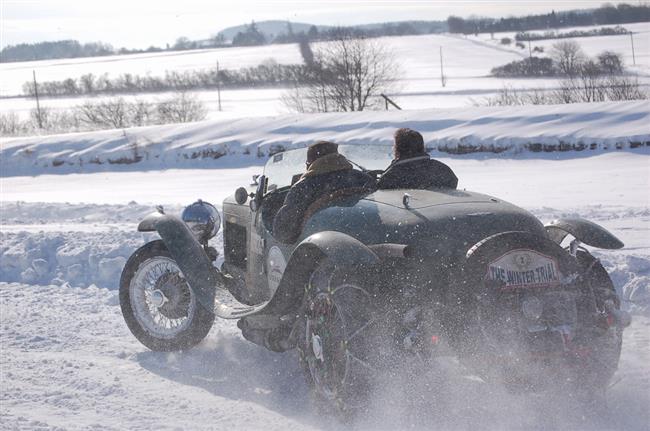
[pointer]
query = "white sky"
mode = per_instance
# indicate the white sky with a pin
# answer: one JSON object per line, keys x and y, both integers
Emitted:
{"x": 141, "y": 23}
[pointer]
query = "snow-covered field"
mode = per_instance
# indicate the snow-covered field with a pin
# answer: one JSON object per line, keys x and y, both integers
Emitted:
{"x": 467, "y": 64}
{"x": 67, "y": 360}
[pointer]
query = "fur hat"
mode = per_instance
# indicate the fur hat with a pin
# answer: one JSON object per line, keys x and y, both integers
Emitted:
{"x": 320, "y": 149}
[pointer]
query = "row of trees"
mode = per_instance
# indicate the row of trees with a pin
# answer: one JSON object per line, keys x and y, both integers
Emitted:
{"x": 347, "y": 74}
{"x": 106, "y": 114}
{"x": 584, "y": 79}
{"x": 253, "y": 36}
{"x": 580, "y": 89}
{"x": 604, "y": 31}
{"x": 566, "y": 59}
{"x": 51, "y": 50}
{"x": 269, "y": 73}
{"x": 608, "y": 14}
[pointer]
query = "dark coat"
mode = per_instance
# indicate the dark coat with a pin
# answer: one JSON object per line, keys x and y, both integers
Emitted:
{"x": 322, "y": 182}
{"x": 420, "y": 172}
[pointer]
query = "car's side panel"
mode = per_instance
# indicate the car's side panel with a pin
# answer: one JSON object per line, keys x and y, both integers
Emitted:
{"x": 236, "y": 233}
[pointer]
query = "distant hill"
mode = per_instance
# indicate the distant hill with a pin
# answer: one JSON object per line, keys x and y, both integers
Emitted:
{"x": 270, "y": 29}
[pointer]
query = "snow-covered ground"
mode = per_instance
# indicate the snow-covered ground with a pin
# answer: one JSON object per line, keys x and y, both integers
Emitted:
{"x": 592, "y": 127}
{"x": 467, "y": 63}
{"x": 67, "y": 360}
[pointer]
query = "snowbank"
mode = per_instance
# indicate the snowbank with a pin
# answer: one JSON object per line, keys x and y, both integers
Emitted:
{"x": 578, "y": 127}
{"x": 77, "y": 245}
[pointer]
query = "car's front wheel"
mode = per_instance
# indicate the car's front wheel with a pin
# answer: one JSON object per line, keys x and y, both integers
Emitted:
{"x": 157, "y": 303}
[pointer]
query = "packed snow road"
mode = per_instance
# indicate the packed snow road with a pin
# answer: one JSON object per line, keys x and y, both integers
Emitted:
{"x": 67, "y": 360}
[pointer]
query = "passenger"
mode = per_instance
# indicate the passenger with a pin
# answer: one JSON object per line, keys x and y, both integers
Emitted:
{"x": 327, "y": 173}
{"x": 412, "y": 168}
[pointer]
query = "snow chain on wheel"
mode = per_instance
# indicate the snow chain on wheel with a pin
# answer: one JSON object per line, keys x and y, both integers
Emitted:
{"x": 157, "y": 303}
{"x": 338, "y": 342}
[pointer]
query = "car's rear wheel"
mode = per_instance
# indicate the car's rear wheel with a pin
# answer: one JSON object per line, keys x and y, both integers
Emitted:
{"x": 157, "y": 303}
{"x": 515, "y": 312}
{"x": 339, "y": 344}
{"x": 529, "y": 334}
{"x": 604, "y": 343}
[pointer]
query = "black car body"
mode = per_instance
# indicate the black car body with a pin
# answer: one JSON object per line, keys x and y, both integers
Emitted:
{"x": 510, "y": 297}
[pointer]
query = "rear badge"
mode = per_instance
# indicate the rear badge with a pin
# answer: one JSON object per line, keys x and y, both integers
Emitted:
{"x": 524, "y": 268}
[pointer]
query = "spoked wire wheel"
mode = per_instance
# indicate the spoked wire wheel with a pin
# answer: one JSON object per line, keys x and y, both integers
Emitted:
{"x": 160, "y": 297}
{"x": 339, "y": 349}
{"x": 157, "y": 303}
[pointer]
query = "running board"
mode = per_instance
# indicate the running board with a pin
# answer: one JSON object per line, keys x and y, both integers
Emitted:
{"x": 227, "y": 306}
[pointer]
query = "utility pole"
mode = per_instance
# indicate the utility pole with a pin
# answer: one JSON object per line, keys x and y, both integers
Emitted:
{"x": 530, "y": 53}
{"x": 38, "y": 105}
{"x": 443, "y": 81}
{"x": 218, "y": 87}
{"x": 632, "y": 42}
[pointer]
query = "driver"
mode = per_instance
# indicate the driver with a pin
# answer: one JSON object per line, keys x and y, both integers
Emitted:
{"x": 327, "y": 173}
{"x": 412, "y": 168}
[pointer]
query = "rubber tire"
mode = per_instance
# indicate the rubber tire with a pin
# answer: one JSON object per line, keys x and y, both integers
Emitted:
{"x": 186, "y": 339}
{"x": 597, "y": 372}
{"x": 352, "y": 394}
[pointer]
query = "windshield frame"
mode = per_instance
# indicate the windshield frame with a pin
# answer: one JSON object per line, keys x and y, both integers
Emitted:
{"x": 282, "y": 167}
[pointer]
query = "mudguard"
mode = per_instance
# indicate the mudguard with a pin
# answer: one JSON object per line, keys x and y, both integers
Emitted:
{"x": 584, "y": 231}
{"x": 341, "y": 249}
{"x": 206, "y": 282}
{"x": 148, "y": 224}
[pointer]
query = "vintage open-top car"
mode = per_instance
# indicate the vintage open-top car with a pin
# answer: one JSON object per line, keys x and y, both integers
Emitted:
{"x": 379, "y": 274}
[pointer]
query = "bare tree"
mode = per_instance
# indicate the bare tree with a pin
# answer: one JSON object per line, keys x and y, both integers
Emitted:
{"x": 181, "y": 108}
{"x": 624, "y": 88}
{"x": 611, "y": 62}
{"x": 11, "y": 125}
{"x": 112, "y": 113}
{"x": 347, "y": 75}
{"x": 591, "y": 83}
{"x": 141, "y": 113}
{"x": 41, "y": 117}
{"x": 568, "y": 56}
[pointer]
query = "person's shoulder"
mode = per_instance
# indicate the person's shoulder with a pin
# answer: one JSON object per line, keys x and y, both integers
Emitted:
{"x": 360, "y": 174}
{"x": 411, "y": 161}
{"x": 437, "y": 164}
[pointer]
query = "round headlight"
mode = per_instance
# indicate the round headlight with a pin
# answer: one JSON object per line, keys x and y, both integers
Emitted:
{"x": 203, "y": 220}
{"x": 532, "y": 308}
